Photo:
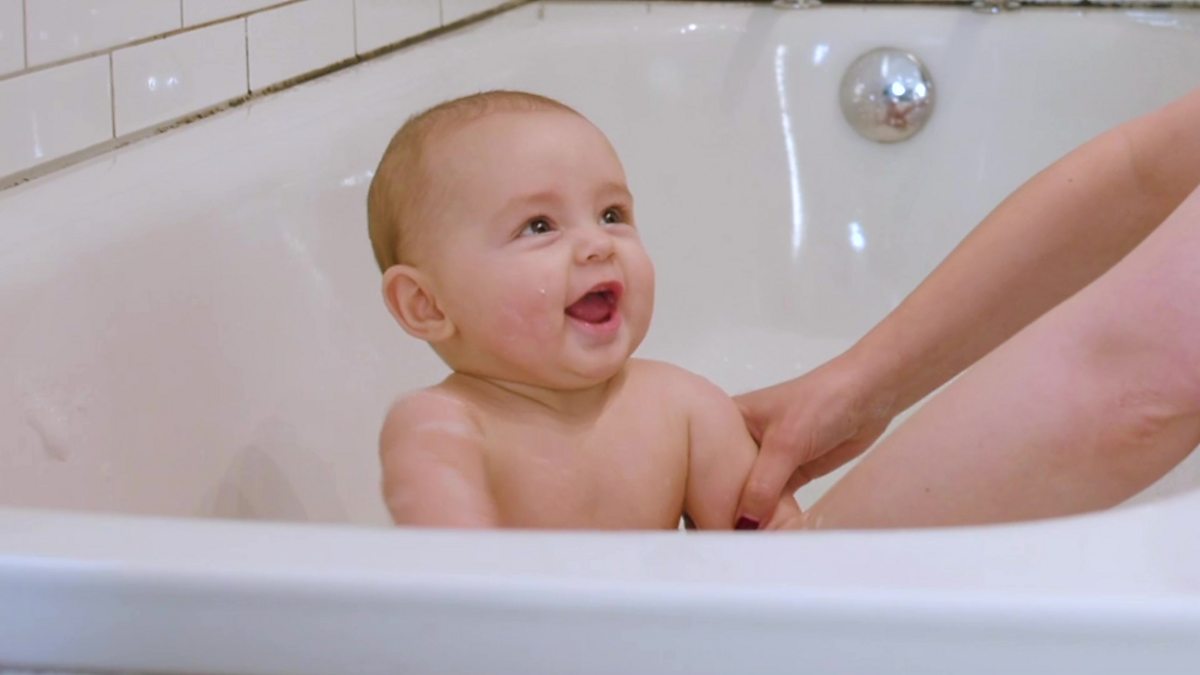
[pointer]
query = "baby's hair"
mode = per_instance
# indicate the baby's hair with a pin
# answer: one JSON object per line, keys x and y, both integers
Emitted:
{"x": 394, "y": 198}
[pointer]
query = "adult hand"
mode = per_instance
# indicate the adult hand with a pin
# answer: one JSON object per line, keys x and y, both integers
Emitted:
{"x": 807, "y": 427}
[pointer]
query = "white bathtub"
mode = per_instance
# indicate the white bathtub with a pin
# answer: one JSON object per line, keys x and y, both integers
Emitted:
{"x": 193, "y": 349}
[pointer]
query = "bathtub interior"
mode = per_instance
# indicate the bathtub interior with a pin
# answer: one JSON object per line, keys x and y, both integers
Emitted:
{"x": 192, "y": 324}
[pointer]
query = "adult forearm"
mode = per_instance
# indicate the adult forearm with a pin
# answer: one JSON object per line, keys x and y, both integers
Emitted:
{"x": 1054, "y": 235}
{"x": 1088, "y": 405}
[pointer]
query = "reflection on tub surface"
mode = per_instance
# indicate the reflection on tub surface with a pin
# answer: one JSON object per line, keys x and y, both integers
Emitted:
{"x": 261, "y": 482}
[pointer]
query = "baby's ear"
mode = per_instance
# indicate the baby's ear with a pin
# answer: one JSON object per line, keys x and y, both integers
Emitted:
{"x": 412, "y": 302}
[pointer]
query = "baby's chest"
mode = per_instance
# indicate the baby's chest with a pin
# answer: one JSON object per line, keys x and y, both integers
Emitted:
{"x": 614, "y": 475}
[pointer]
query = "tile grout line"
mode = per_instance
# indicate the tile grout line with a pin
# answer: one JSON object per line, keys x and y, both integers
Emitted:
{"x": 354, "y": 18}
{"x": 141, "y": 41}
{"x": 246, "y": 44}
{"x": 112, "y": 94}
{"x": 181, "y": 13}
{"x": 43, "y": 169}
{"x": 25, "y": 31}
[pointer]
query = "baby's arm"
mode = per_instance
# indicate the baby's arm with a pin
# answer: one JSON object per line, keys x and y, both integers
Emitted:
{"x": 433, "y": 464}
{"x": 721, "y": 454}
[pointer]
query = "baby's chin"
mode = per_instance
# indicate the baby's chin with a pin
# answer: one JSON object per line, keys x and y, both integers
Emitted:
{"x": 575, "y": 377}
{"x": 567, "y": 377}
{"x": 591, "y": 377}
{"x": 598, "y": 367}
{"x": 579, "y": 376}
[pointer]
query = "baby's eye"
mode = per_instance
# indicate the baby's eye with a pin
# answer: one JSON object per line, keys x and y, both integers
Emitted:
{"x": 613, "y": 215}
{"x": 537, "y": 226}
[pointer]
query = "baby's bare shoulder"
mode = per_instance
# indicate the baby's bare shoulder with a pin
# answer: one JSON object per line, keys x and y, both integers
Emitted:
{"x": 660, "y": 371}
{"x": 433, "y": 464}
{"x": 429, "y": 418}
{"x": 691, "y": 389}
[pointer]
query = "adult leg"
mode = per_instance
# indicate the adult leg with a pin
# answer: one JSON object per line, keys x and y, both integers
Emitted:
{"x": 1082, "y": 409}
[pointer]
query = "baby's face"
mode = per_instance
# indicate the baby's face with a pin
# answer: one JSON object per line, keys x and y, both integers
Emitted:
{"x": 533, "y": 249}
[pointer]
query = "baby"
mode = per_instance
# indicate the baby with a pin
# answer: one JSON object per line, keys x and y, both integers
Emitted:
{"x": 506, "y": 234}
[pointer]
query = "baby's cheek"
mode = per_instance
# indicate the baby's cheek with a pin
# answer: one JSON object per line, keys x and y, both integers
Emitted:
{"x": 528, "y": 321}
{"x": 642, "y": 288}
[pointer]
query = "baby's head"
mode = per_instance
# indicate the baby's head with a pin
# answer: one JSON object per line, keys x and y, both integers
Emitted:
{"x": 505, "y": 231}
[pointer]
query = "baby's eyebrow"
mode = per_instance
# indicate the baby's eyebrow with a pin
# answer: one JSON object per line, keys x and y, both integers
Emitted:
{"x": 542, "y": 197}
{"x": 550, "y": 198}
{"x": 618, "y": 189}
{"x": 538, "y": 197}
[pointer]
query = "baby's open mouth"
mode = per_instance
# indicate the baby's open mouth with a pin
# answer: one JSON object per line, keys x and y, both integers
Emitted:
{"x": 597, "y": 305}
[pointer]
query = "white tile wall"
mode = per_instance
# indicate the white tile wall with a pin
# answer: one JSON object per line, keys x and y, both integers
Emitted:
{"x": 381, "y": 22}
{"x": 453, "y": 10}
{"x": 161, "y": 80}
{"x": 295, "y": 39}
{"x": 200, "y": 11}
{"x": 67, "y": 67}
{"x": 58, "y": 29}
{"x": 54, "y": 112}
{"x": 12, "y": 36}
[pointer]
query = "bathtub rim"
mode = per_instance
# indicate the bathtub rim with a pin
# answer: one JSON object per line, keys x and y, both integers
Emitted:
{"x": 181, "y": 550}
{"x": 462, "y": 619}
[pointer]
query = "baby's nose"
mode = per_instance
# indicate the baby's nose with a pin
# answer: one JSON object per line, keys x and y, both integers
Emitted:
{"x": 595, "y": 245}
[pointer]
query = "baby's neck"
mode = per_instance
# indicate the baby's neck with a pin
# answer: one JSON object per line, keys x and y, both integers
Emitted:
{"x": 567, "y": 404}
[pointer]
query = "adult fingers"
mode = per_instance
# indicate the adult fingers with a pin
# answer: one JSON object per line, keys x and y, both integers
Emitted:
{"x": 749, "y": 405}
{"x": 799, "y": 479}
{"x": 824, "y": 464}
{"x": 764, "y": 485}
{"x": 828, "y": 463}
{"x": 836, "y": 458}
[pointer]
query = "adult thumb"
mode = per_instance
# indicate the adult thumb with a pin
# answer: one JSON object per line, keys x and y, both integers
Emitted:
{"x": 764, "y": 486}
{"x": 747, "y": 404}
